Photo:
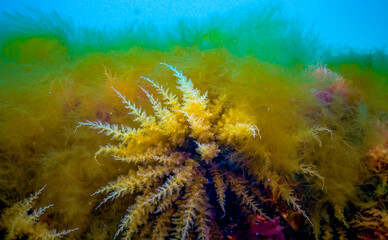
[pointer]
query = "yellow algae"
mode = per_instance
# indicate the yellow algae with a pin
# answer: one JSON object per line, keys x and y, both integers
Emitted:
{"x": 255, "y": 124}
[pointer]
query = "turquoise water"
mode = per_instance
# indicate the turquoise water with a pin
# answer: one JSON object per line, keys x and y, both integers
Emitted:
{"x": 346, "y": 23}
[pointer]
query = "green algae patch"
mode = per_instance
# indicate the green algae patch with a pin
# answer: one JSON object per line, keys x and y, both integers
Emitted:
{"x": 35, "y": 49}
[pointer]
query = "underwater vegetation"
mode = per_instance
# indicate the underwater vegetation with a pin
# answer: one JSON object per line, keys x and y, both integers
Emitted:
{"x": 23, "y": 221}
{"x": 230, "y": 128}
{"x": 174, "y": 152}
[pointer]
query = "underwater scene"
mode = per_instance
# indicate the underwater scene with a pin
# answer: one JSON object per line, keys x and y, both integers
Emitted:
{"x": 237, "y": 120}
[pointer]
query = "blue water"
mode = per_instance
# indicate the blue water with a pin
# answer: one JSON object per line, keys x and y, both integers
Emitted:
{"x": 359, "y": 24}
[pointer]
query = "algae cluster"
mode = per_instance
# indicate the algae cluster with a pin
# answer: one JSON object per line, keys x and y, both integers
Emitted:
{"x": 320, "y": 164}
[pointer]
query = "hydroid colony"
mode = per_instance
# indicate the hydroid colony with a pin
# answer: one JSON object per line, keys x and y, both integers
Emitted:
{"x": 265, "y": 140}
